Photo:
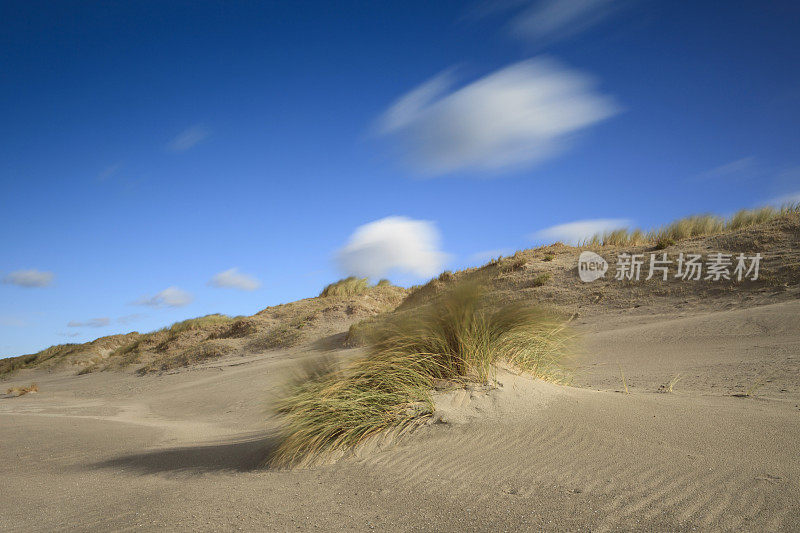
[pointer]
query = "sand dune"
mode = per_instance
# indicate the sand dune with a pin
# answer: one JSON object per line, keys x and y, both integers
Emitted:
{"x": 182, "y": 450}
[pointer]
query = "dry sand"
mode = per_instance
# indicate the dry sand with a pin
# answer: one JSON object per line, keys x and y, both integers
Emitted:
{"x": 181, "y": 451}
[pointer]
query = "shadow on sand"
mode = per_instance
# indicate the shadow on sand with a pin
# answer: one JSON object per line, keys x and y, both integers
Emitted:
{"x": 243, "y": 455}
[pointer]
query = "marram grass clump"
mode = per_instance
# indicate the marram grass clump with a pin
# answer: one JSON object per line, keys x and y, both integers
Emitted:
{"x": 346, "y": 287}
{"x": 459, "y": 338}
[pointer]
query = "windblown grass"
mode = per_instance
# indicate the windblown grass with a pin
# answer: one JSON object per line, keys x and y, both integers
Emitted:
{"x": 202, "y": 322}
{"x": 692, "y": 226}
{"x": 346, "y": 287}
{"x": 22, "y": 391}
{"x": 458, "y": 338}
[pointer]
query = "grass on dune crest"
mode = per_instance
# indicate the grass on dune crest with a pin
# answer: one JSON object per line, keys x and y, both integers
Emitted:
{"x": 692, "y": 226}
{"x": 347, "y": 287}
{"x": 198, "y": 323}
{"x": 459, "y": 337}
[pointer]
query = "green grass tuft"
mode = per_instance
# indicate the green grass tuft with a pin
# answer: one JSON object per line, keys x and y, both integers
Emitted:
{"x": 541, "y": 279}
{"x": 458, "y": 338}
{"x": 346, "y": 287}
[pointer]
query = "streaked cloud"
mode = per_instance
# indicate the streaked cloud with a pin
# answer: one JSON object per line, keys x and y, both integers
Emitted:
{"x": 738, "y": 170}
{"x": 393, "y": 244}
{"x": 189, "y": 138}
{"x": 91, "y": 323}
{"x": 127, "y": 319}
{"x": 517, "y": 116}
{"x": 108, "y": 172}
{"x": 169, "y": 297}
{"x": 29, "y": 278}
{"x": 12, "y": 321}
{"x": 487, "y": 255}
{"x": 547, "y": 21}
{"x": 233, "y": 279}
{"x": 579, "y": 230}
{"x": 789, "y": 198}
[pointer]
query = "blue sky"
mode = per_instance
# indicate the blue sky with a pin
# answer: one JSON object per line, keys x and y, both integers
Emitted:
{"x": 149, "y": 148}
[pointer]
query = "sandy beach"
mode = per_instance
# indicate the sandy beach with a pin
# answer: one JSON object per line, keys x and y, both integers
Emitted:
{"x": 183, "y": 450}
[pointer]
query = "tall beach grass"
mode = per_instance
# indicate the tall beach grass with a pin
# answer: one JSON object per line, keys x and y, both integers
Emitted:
{"x": 459, "y": 338}
{"x": 692, "y": 226}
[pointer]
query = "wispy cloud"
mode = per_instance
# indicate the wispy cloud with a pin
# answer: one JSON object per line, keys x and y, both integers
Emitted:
{"x": 579, "y": 230}
{"x": 29, "y": 278}
{"x": 547, "y": 21}
{"x": 392, "y": 244}
{"x": 12, "y": 321}
{"x": 738, "y": 170}
{"x": 169, "y": 297}
{"x": 70, "y": 335}
{"x": 91, "y": 323}
{"x": 789, "y": 198}
{"x": 487, "y": 255}
{"x": 233, "y": 279}
{"x": 127, "y": 319}
{"x": 189, "y": 138}
{"x": 108, "y": 172}
{"x": 519, "y": 115}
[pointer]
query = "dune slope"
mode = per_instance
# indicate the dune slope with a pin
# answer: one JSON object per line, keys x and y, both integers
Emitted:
{"x": 182, "y": 450}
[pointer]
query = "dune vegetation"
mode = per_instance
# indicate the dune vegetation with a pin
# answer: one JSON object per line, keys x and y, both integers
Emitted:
{"x": 21, "y": 391}
{"x": 459, "y": 338}
{"x": 346, "y": 287}
{"x": 692, "y": 226}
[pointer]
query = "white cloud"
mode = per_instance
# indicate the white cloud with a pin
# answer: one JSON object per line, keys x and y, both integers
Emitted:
{"x": 127, "y": 319}
{"x": 91, "y": 323}
{"x": 392, "y": 244}
{"x": 169, "y": 297}
{"x": 189, "y": 138}
{"x": 575, "y": 232}
{"x": 233, "y": 279}
{"x": 547, "y": 21}
{"x": 29, "y": 278}
{"x": 519, "y": 115}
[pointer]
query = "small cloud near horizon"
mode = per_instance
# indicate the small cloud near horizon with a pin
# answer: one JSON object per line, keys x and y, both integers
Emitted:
{"x": 487, "y": 255}
{"x": 29, "y": 278}
{"x": 392, "y": 244}
{"x": 579, "y": 230}
{"x": 189, "y": 138}
{"x": 169, "y": 297}
{"x": 790, "y": 198}
{"x": 518, "y": 116}
{"x": 233, "y": 279}
{"x": 91, "y": 323}
{"x": 127, "y": 319}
